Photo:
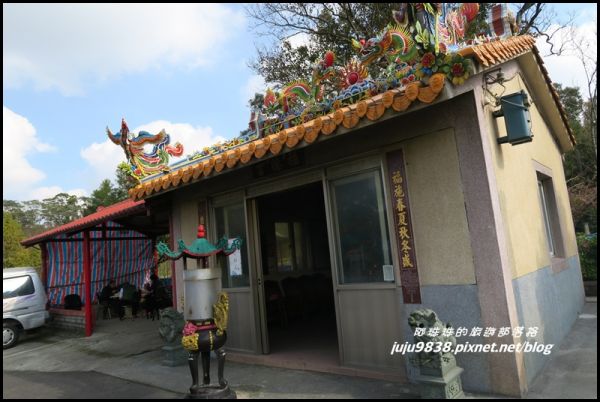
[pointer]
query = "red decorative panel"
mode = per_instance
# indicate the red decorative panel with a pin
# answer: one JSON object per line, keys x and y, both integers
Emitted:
{"x": 409, "y": 275}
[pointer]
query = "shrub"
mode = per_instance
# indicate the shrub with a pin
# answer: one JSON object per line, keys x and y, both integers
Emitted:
{"x": 588, "y": 255}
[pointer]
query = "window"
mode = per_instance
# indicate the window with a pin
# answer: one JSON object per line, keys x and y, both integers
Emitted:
{"x": 549, "y": 215}
{"x": 231, "y": 222}
{"x": 290, "y": 246}
{"x": 360, "y": 216}
{"x": 18, "y": 286}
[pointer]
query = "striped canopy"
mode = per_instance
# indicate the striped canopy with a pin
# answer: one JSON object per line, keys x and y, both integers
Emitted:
{"x": 130, "y": 260}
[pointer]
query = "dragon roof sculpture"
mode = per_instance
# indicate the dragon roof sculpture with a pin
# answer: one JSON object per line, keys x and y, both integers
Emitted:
{"x": 420, "y": 42}
{"x": 141, "y": 163}
{"x": 423, "y": 42}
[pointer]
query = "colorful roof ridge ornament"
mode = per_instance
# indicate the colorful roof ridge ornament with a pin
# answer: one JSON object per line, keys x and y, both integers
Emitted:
{"x": 200, "y": 248}
{"x": 141, "y": 163}
{"x": 423, "y": 41}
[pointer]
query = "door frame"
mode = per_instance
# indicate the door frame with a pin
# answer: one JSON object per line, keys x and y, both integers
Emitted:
{"x": 223, "y": 200}
{"x": 254, "y": 242}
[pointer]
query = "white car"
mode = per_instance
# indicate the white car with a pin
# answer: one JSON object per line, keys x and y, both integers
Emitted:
{"x": 24, "y": 304}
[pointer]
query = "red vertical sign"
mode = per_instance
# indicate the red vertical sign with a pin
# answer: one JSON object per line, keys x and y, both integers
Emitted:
{"x": 409, "y": 275}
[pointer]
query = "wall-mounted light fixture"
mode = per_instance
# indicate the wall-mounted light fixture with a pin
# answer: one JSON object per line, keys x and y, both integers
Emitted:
{"x": 515, "y": 109}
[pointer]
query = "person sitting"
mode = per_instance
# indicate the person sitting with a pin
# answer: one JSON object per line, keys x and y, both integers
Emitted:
{"x": 106, "y": 298}
{"x": 128, "y": 296}
{"x": 148, "y": 302}
{"x": 159, "y": 292}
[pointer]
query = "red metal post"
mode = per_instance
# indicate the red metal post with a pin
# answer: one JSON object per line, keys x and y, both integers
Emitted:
{"x": 154, "y": 257}
{"x": 173, "y": 270}
{"x": 43, "y": 246}
{"x": 87, "y": 288}
{"x": 106, "y": 265}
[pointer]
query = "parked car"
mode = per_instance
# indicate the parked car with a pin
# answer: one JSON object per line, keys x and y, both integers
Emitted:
{"x": 24, "y": 304}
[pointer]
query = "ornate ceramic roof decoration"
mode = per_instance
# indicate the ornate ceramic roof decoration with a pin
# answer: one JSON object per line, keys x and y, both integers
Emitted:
{"x": 410, "y": 60}
{"x": 414, "y": 48}
{"x": 200, "y": 248}
{"x": 142, "y": 164}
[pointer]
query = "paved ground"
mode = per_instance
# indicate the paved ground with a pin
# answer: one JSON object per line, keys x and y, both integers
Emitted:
{"x": 113, "y": 351}
{"x": 572, "y": 373}
{"x": 131, "y": 365}
{"x": 75, "y": 385}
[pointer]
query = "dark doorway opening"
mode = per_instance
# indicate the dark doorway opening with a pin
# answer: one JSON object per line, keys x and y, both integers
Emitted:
{"x": 298, "y": 290}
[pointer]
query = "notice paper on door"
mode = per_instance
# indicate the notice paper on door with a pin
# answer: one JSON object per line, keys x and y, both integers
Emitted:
{"x": 388, "y": 273}
{"x": 235, "y": 261}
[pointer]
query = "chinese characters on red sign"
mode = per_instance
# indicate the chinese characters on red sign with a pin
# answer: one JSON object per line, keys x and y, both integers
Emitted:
{"x": 409, "y": 276}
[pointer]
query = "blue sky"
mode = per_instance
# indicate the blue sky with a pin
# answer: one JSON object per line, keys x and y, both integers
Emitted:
{"x": 71, "y": 70}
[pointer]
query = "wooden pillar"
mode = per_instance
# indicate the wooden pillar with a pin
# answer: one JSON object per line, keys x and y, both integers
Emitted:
{"x": 87, "y": 286}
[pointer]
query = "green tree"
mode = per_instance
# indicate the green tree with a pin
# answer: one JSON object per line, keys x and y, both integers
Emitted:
{"x": 28, "y": 214}
{"x": 581, "y": 167}
{"x": 326, "y": 26}
{"x": 124, "y": 182}
{"x": 60, "y": 209}
{"x": 332, "y": 26}
{"x": 15, "y": 255}
{"x": 105, "y": 195}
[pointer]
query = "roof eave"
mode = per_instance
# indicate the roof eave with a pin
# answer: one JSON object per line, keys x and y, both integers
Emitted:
{"x": 547, "y": 98}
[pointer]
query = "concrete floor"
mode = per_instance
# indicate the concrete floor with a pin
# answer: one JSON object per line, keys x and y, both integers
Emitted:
{"x": 76, "y": 385}
{"x": 572, "y": 372}
{"x": 130, "y": 350}
{"x": 298, "y": 346}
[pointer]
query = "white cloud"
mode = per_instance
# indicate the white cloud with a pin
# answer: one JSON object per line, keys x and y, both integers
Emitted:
{"x": 19, "y": 140}
{"x": 255, "y": 84}
{"x": 104, "y": 157}
{"x": 567, "y": 68}
{"x": 61, "y": 46}
{"x": 41, "y": 193}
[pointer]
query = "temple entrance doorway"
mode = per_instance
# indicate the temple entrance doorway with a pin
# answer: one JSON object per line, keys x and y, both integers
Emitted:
{"x": 295, "y": 280}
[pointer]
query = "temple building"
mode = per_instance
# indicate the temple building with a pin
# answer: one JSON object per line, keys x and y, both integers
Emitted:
{"x": 440, "y": 186}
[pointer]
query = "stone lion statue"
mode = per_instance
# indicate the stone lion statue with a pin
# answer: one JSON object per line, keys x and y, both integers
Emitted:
{"x": 171, "y": 325}
{"x": 426, "y": 318}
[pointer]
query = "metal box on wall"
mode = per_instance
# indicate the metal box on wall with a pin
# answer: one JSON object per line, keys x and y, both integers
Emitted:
{"x": 515, "y": 109}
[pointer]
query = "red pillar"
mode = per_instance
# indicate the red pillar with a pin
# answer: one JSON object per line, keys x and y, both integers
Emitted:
{"x": 173, "y": 270}
{"x": 154, "y": 257}
{"x": 87, "y": 288}
{"x": 44, "y": 248}
{"x": 106, "y": 274}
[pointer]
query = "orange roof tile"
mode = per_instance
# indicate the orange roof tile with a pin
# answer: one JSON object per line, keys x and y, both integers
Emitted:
{"x": 348, "y": 117}
{"x": 487, "y": 54}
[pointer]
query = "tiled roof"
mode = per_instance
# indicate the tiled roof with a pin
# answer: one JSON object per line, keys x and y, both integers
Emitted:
{"x": 499, "y": 51}
{"x": 487, "y": 55}
{"x": 115, "y": 211}
{"x": 348, "y": 117}
{"x": 555, "y": 96}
